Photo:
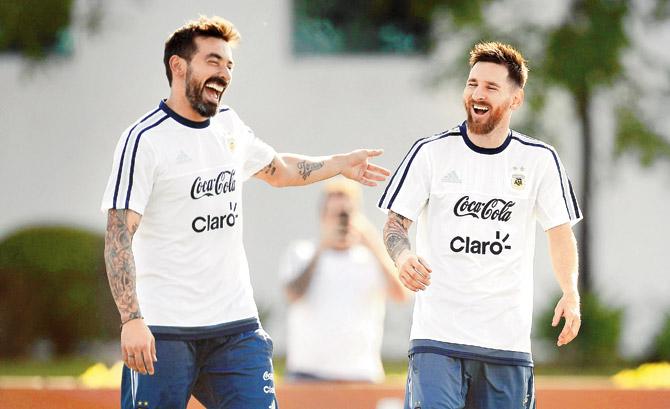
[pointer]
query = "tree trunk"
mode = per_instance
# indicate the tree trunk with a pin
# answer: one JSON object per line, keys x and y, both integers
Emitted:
{"x": 584, "y": 237}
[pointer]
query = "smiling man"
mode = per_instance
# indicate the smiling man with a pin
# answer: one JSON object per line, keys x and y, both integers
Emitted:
{"x": 477, "y": 191}
{"x": 173, "y": 249}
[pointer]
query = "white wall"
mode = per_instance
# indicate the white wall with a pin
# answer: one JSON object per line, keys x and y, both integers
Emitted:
{"x": 59, "y": 124}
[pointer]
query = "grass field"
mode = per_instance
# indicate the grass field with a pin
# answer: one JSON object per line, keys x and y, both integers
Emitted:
{"x": 395, "y": 369}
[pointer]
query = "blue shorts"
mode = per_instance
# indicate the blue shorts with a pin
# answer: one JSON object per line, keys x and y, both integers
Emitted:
{"x": 440, "y": 381}
{"x": 228, "y": 372}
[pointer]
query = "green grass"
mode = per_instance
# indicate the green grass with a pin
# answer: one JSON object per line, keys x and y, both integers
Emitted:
{"x": 395, "y": 370}
{"x": 66, "y": 366}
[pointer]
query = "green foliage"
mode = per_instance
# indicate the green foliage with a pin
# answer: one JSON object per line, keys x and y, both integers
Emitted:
{"x": 585, "y": 51}
{"x": 35, "y": 27}
{"x": 633, "y": 135}
{"x": 53, "y": 286}
{"x": 661, "y": 346}
{"x": 598, "y": 339}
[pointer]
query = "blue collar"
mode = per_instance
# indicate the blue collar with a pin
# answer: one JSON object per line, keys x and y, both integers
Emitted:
{"x": 486, "y": 151}
{"x": 181, "y": 119}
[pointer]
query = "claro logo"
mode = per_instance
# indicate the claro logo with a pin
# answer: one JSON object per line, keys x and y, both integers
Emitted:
{"x": 469, "y": 245}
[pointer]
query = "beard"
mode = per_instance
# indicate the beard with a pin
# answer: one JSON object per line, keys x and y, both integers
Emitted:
{"x": 194, "y": 94}
{"x": 484, "y": 127}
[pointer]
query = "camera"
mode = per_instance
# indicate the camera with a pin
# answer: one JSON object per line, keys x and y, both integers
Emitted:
{"x": 343, "y": 221}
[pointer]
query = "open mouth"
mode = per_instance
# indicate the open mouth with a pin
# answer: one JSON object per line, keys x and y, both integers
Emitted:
{"x": 214, "y": 90}
{"x": 480, "y": 109}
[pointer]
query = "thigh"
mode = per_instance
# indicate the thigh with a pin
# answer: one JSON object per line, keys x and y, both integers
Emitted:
{"x": 435, "y": 381}
{"x": 500, "y": 386}
{"x": 237, "y": 373}
{"x": 171, "y": 384}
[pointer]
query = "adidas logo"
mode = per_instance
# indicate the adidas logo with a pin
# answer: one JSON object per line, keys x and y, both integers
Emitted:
{"x": 452, "y": 177}
{"x": 182, "y": 157}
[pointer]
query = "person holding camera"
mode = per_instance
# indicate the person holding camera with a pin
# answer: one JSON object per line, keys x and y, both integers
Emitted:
{"x": 337, "y": 292}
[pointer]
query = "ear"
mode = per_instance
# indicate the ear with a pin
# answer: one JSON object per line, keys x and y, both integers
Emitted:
{"x": 178, "y": 66}
{"x": 517, "y": 99}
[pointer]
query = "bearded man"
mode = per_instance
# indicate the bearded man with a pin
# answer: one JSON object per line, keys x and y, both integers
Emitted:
{"x": 175, "y": 260}
{"x": 477, "y": 191}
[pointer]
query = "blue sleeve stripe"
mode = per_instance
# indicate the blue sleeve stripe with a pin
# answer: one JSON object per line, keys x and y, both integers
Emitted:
{"x": 558, "y": 168}
{"x": 132, "y": 163}
{"x": 123, "y": 154}
{"x": 415, "y": 149}
{"x": 574, "y": 201}
{"x": 381, "y": 201}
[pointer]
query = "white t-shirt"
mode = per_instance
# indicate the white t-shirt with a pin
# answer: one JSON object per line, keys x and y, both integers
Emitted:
{"x": 335, "y": 330}
{"x": 476, "y": 212}
{"x": 185, "y": 178}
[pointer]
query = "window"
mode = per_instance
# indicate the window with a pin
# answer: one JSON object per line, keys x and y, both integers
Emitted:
{"x": 365, "y": 26}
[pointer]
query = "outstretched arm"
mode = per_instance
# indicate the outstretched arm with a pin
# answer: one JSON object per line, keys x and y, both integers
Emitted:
{"x": 288, "y": 169}
{"x": 413, "y": 271}
{"x": 137, "y": 342}
{"x": 563, "y": 251}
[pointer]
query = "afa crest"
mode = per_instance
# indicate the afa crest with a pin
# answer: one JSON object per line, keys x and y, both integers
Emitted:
{"x": 518, "y": 179}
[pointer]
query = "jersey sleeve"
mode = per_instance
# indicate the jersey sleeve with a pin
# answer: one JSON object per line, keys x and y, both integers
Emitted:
{"x": 257, "y": 154}
{"x": 132, "y": 177}
{"x": 556, "y": 202}
{"x": 408, "y": 189}
{"x": 295, "y": 260}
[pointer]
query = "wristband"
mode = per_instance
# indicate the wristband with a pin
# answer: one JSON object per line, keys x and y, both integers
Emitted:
{"x": 139, "y": 317}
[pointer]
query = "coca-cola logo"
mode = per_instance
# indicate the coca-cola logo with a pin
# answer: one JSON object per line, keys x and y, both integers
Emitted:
{"x": 494, "y": 209}
{"x": 223, "y": 183}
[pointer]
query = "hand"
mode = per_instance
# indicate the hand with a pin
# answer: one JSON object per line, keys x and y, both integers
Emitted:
{"x": 138, "y": 346}
{"x": 357, "y": 167}
{"x": 413, "y": 271}
{"x": 567, "y": 307}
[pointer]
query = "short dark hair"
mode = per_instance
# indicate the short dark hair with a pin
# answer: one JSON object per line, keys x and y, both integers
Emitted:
{"x": 182, "y": 41}
{"x": 503, "y": 54}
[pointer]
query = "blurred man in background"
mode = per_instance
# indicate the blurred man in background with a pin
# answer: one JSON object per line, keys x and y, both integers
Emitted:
{"x": 337, "y": 289}
{"x": 173, "y": 249}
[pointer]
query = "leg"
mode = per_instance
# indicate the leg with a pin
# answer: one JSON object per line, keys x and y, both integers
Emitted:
{"x": 435, "y": 381}
{"x": 237, "y": 373}
{"x": 500, "y": 386}
{"x": 171, "y": 384}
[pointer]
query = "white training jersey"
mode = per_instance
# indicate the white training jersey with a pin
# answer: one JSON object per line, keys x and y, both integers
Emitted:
{"x": 185, "y": 178}
{"x": 335, "y": 330}
{"x": 476, "y": 212}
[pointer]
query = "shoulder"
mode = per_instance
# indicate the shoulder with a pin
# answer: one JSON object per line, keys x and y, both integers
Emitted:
{"x": 226, "y": 114}
{"x": 145, "y": 125}
{"x": 525, "y": 140}
{"x": 302, "y": 249}
{"x": 435, "y": 141}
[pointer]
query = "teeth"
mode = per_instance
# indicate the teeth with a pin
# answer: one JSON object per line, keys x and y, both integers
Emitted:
{"x": 216, "y": 87}
{"x": 480, "y": 107}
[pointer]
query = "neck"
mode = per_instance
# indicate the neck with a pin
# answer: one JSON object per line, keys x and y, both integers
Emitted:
{"x": 179, "y": 104}
{"x": 491, "y": 140}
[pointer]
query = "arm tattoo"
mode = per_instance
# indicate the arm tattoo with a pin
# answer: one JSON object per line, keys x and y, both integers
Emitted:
{"x": 270, "y": 169}
{"x": 306, "y": 168}
{"x": 395, "y": 234}
{"x": 120, "y": 263}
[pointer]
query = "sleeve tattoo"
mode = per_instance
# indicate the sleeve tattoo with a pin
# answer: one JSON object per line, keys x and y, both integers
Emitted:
{"x": 396, "y": 236}
{"x": 306, "y": 168}
{"x": 120, "y": 263}
{"x": 270, "y": 169}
